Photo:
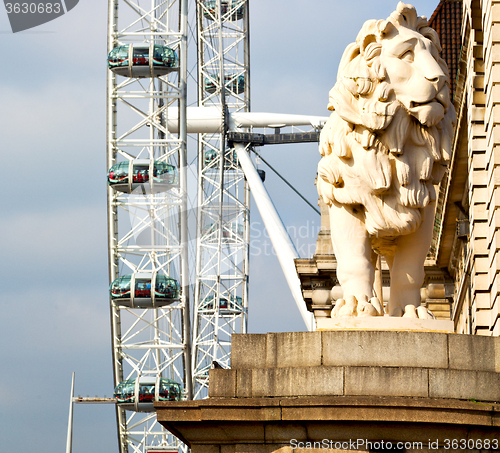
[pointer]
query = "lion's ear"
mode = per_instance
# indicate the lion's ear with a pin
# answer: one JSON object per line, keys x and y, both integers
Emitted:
{"x": 354, "y": 70}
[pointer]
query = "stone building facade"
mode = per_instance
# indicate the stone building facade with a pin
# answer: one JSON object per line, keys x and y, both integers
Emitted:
{"x": 468, "y": 243}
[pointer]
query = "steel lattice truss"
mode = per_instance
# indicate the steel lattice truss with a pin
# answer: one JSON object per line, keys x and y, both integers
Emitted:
{"x": 145, "y": 226}
{"x": 221, "y": 291}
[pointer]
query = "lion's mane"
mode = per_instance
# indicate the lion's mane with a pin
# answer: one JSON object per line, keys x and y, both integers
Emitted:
{"x": 363, "y": 143}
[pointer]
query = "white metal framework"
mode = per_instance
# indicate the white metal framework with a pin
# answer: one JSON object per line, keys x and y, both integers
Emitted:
{"x": 221, "y": 287}
{"x": 147, "y": 231}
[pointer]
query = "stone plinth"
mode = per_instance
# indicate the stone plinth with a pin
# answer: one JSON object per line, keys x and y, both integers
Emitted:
{"x": 379, "y": 323}
{"x": 342, "y": 386}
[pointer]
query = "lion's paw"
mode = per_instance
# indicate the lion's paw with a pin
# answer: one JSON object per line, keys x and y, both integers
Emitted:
{"x": 350, "y": 307}
{"x": 378, "y": 306}
{"x": 417, "y": 312}
{"x": 424, "y": 313}
{"x": 345, "y": 308}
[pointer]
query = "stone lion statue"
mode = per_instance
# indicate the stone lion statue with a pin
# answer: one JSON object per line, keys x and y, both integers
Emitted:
{"x": 385, "y": 148}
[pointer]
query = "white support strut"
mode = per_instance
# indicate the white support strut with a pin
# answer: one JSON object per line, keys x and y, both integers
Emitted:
{"x": 209, "y": 120}
{"x": 69, "y": 437}
{"x": 282, "y": 244}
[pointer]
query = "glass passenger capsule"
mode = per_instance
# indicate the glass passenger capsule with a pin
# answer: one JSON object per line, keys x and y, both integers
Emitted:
{"x": 140, "y": 394}
{"x": 150, "y": 290}
{"x": 132, "y": 60}
{"x": 235, "y": 84}
{"x": 230, "y": 159}
{"x": 231, "y": 6}
{"x": 229, "y": 231}
{"x": 227, "y": 305}
{"x": 131, "y": 175}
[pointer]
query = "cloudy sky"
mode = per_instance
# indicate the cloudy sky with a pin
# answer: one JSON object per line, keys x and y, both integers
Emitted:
{"x": 53, "y": 271}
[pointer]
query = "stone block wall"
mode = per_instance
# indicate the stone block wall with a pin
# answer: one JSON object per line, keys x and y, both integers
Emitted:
{"x": 477, "y": 118}
{"x": 342, "y": 386}
{"x": 361, "y": 363}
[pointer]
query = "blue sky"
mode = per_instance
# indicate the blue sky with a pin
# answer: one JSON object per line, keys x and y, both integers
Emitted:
{"x": 53, "y": 272}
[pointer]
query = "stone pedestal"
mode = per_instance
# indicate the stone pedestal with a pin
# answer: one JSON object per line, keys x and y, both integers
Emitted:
{"x": 324, "y": 321}
{"x": 345, "y": 390}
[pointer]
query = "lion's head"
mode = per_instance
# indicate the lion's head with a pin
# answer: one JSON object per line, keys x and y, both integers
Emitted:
{"x": 388, "y": 139}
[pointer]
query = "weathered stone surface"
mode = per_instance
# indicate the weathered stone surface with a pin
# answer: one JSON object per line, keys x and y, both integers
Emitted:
{"x": 276, "y": 434}
{"x": 227, "y": 422}
{"x": 297, "y": 349}
{"x": 393, "y": 349}
{"x": 368, "y": 433}
{"x": 478, "y": 433}
{"x": 190, "y": 411}
{"x": 222, "y": 383}
{"x": 240, "y": 347}
{"x": 264, "y": 382}
{"x": 471, "y": 352}
{"x": 374, "y": 364}
{"x": 309, "y": 381}
{"x": 386, "y": 381}
{"x": 385, "y": 386}
{"x": 205, "y": 449}
{"x": 271, "y": 350}
{"x": 297, "y": 381}
{"x": 253, "y": 448}
{"x": 243, "y": 383}
{"x": 469, "y": 385}
{"x": 254, "y": 432}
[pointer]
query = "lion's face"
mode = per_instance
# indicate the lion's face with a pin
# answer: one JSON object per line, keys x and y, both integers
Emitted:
{"x": 393, "y": 63}
{"x": 389, "y": 137}
{"x": 414, "y": 74}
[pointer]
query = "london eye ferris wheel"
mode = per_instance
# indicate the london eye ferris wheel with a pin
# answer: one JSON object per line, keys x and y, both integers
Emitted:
{"x": 154, "y": 357}
{"x": 177, "y": 292}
